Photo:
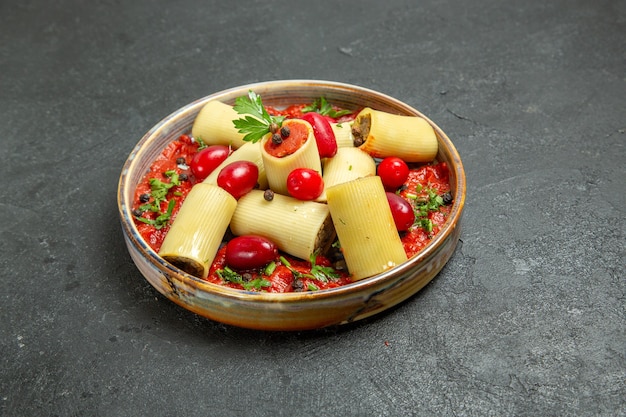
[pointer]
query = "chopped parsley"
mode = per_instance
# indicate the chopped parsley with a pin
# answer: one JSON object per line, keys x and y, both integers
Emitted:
{"x": 322, "y": 273}
{"x": 160, "y": 188}
{"x": 228, "y": 275}
{"x": 422, "y": 207}
{"x": 201, "y": 143}
{"x": 270, "y": 268}
{"x": 158, "y": 193}
{"x": 318, "y": 272}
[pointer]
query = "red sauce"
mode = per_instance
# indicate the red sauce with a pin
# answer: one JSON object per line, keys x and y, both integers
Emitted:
{"x": 292, "y": 112}
{"x": 184, "y": 148}
{"x": 282, "y": 278}
{"x": 298, "y": 134}
{"x": 295, "y": 111}
{"x": 433, "y": 177}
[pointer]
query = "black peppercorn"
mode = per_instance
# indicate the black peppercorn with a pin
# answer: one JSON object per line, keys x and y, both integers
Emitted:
{"x": 181, "y": 161}
{"x": 276, "y": 139}
{"x": 268, "y": 195}
{"x": 144, "y": 198}
{"x": 447, "y": 198}
{"x": 285, "y": 132}
{"x": 297, "y": 285}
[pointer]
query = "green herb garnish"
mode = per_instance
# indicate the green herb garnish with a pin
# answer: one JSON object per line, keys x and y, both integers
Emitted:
{"x": 270, "y": 268}
{"x": 201, "y": 143}
{"x": 257, "y": 284}
{"x": 162, "y": 219}
{"x": 324, "y": 108}
{"x": 258, "y": 122}
{"x": 322, "y": 273}
{"x": 158, "y": 192}
{"x": 318, "y": 272}
{"x": 422, "y": 208}
{"x": 425, "y": 223}
{"x": 227, "y": 274}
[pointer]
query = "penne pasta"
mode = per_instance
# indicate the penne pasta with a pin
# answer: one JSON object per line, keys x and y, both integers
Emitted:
{"x": 383, "y": 134}
{"x": 248, "y": 152}
{"x": 364, "y": 224}
{"x": 297, "y": 227}
{"x": 198, "y": 229}
{"x": 343, "y": 134}
{"x": 278, "y": 168}
{"x": 214, "y": 125}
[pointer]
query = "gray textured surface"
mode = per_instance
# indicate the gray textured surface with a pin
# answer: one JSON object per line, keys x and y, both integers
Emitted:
{"x": 529, "y": 316}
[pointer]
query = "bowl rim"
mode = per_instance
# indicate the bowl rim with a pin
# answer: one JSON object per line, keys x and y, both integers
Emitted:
{"x": 132, "y": 233}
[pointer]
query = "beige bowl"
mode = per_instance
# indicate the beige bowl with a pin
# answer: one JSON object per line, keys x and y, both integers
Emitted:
{"x": 290, "y": 311}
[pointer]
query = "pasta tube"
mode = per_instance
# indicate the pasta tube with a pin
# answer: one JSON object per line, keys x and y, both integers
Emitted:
{"x": 348, "y": 164}
{"x": 297, "y": 227}
{"x": 343, "y": 134}
{"x": 198, "y": 229}
{"x": 248, "y": 152}
{"x": 214, "y": 125}
{"x": 382, "y": 134}
{"x": 369, "y": 239}
{"x": 277, "y": 168}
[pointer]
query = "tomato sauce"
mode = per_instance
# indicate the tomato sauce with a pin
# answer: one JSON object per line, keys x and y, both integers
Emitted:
{"x": 292, "y": 112}
{"x": 282, "y": 279}
{"x": 428, "y": 177}
{"x": 295, "y": 111}
{"x": 298, "y": 134}
{"x": 290, "y": 274}
{"x": 169, "y": 160}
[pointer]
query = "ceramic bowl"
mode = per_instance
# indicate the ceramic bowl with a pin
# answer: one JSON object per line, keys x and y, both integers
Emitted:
{"x": 289, "y": 311}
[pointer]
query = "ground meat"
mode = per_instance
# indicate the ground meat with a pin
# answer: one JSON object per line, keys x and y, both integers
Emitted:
{"x": 361, "y": 129}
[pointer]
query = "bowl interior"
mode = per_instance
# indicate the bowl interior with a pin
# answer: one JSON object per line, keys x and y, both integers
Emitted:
{"x": 275, "y": 93}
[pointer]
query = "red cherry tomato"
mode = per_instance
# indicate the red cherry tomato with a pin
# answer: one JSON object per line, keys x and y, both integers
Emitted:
{"x": 238, "y": 178}
{"x": 305, "y": 184}
{"x": 324, "y": 135}
{"x": 402, "y": 211}
{"x": 393, "y": 172}
{"x": 205, "y": 161}
{"x": 250, "y": 252}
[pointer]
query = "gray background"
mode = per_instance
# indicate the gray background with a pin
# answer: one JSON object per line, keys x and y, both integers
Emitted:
{"x": 528, "y": 317}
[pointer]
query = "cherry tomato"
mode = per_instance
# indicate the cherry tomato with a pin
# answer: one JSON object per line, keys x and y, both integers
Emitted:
{"x": 205, "y": 161}
{"x": 393, "y": 172}
{"x": 403, "y": 215}
{"x": 238, "y": 178}
{"x": 324, "y": 135}
{"x": 305, "y": 184}
{"x": 250, "y": 252}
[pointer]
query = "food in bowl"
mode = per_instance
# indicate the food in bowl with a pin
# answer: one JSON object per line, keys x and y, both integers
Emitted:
{"x": 250, "y": 303}
{"x": 249, "y": 205}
